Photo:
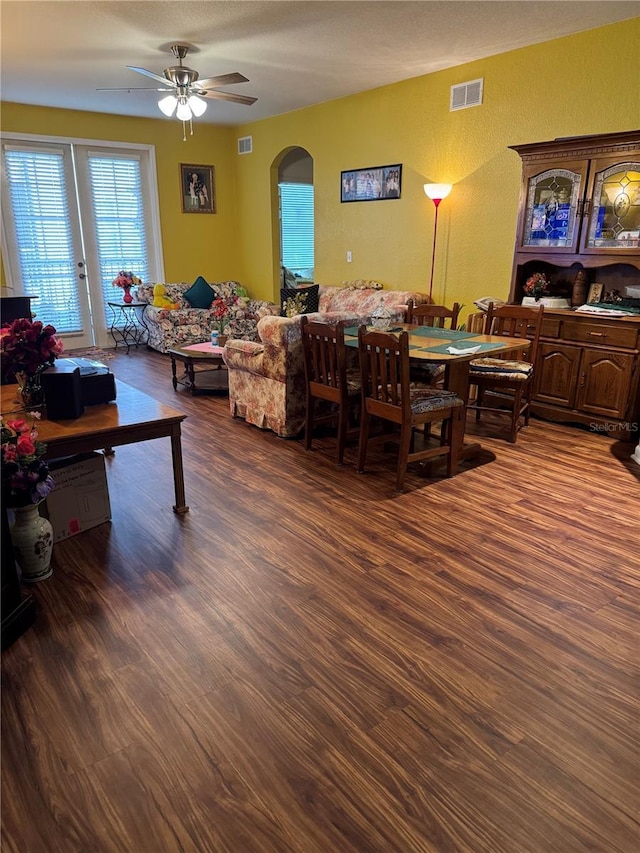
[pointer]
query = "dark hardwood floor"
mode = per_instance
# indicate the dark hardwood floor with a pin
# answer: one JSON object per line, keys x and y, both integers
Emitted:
{"x": 307, "y": 662}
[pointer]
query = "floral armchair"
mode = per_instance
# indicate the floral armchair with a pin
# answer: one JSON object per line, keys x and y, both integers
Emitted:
{"x": 178, "y": 327}
{"x": 266, "y": 377}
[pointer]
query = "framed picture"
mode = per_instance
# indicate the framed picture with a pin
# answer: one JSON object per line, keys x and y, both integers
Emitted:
{"x": 595, "y": 293}
{"x": 372, "y": 184}
{"x": 197, "y": 188}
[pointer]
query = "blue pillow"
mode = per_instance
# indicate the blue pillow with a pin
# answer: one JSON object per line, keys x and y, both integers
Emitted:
{"x": 200, "y": 294}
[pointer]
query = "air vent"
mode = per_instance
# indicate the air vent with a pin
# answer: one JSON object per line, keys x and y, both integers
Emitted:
{"x": 245, "y": 145}
{"x": 466, "y": 95}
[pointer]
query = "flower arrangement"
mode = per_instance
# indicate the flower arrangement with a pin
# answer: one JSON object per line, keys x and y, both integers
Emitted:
{"x": 537, "y": 285}
{"x": 126, "y": 279}
{"x": 27, "y": 347}
{"x": 220, "y": 310}
{"x": 25, "y": 475}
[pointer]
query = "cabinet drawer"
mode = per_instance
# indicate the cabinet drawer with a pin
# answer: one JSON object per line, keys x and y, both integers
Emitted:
{"x": 550, "y": 327}
{"x": 605, "y": 334}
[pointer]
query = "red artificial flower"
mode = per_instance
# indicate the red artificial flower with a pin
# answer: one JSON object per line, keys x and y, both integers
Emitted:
{"x": 25, "y": 474}
{"x": 27, "y": 346}
{"x": 126, "y": 279}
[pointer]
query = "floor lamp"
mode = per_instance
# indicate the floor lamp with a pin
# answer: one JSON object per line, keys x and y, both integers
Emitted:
{"x": 436, "y": 193}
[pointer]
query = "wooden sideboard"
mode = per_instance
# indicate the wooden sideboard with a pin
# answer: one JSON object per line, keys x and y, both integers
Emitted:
{"x": 588, "y": 372}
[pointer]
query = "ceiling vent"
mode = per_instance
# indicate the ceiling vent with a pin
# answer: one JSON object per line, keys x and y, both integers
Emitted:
{"x": 245, "y": 145}
{"x": 466, "y": 95}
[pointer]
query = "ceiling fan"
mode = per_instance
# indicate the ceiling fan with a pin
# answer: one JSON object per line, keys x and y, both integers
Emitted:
{"x": 186, "y": 88}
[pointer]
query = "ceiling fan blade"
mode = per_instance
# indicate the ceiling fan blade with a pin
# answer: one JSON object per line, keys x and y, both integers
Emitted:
{"x": 225, "y": 96}
{"x": 148, "y": 74}
{"x": 135, "y": 89}
{"x": 221, "y": 80}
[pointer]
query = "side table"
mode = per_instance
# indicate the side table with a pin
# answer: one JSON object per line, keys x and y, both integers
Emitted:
{"x": 211, "y": 365}
{"x": 128, "y": 326}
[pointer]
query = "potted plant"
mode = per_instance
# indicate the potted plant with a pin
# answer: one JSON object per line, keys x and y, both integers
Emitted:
{"x": 220, "y": 311}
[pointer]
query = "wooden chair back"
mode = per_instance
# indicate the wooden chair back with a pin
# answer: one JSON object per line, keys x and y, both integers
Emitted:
{"x": 325, "y": 364}
{"x": 384, "y": 372}
{"x": 387, "y": 395}
{"x": 324, "y": 358}
{"x": 505, "y": 387}
{"x": 432, "y": 315}
{"x": 516, "y": 321}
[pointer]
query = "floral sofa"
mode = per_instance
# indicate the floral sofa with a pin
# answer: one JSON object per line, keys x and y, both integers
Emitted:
{"x": 266, "y": 377}
{"x": 177, "y": 327}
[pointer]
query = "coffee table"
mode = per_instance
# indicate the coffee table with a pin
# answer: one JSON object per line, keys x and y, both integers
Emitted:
{"x": 204, "y": 355}
{"x": 131, "y": 418}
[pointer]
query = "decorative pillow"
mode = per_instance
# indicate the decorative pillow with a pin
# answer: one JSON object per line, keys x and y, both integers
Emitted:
{"x": 299, "y": 300}
{"x": 200, "y": 294}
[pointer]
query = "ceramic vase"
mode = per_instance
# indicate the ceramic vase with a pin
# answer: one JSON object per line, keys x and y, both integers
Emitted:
{"x": 32, "y": 538}
{"x": 127, "y": 297}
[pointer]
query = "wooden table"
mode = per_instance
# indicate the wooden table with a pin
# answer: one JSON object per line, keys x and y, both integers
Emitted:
{"x": 132, "y": 417}
{"x": 199, "y": 354}
{"x": 430, "y": 344}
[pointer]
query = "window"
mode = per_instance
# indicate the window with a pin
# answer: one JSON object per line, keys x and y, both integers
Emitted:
{"x": 43, "y": 233}
{"x": 118, "y": 212}
{"x": 296, "y": 228}
{"x": 75, "y": 216}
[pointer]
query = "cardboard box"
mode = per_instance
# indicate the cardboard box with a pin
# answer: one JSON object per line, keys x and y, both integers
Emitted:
{"x": 80, "y": 499}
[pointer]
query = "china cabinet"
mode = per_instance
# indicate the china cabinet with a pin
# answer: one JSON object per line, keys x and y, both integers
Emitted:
{"x": 579, "y": 212}
{"x": 579, "y": 224}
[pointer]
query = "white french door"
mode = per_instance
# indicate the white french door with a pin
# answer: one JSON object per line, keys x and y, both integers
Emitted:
{"x": 73, "y": 216}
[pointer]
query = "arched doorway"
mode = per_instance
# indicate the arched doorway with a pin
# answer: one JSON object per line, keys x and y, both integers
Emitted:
{"x": 295, "y": 210}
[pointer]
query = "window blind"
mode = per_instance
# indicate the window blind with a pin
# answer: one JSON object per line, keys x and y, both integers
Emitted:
{"x": 118, "y": 211}
{"x": 37, "y": 189}
{"x": 296, "y": 227}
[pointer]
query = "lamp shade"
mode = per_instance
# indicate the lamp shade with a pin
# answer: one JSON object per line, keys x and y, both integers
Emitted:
{"x": 437, "y": 192}
{"x": 167, "y": 105}
{"x": 183, "y": 113}
{"x": 197, "y": 105}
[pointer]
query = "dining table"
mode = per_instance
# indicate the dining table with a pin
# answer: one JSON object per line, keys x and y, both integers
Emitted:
{"x": 455, "y": 350}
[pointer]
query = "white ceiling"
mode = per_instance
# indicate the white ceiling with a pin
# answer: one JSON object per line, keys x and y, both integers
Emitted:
{"x": 58, "y": 53}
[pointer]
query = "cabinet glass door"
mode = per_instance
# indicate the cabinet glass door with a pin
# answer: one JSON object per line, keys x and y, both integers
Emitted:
{"x": 550, "y": 217}
{"x": 614, "y": 222}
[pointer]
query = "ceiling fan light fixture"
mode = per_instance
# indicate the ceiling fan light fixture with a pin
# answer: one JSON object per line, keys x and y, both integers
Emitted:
{"x": 168, "y": 105}
{"x": 197, "y": 105}
{"x": 183, "y": 113}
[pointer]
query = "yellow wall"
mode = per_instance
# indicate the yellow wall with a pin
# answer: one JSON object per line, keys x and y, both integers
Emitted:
{"x": 566, "y": 87}
{"x": 560, "y": 88}
{"x": 194, "y": 244}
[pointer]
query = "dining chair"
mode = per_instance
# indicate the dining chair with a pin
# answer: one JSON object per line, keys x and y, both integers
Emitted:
{"x": 388, "y": 397}
{"x": 424, "y": 314}
{"x": 329, "y": 380}
{"x": 508, "y": 381}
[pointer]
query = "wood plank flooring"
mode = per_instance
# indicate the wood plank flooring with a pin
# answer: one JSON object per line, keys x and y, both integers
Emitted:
{"x": 307, "y": 662}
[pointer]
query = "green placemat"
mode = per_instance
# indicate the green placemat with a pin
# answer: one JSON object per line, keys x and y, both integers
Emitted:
{"x": 431, "y": 332}
{"x": 445, "y": 347}
{"x": 353, "y": 342}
